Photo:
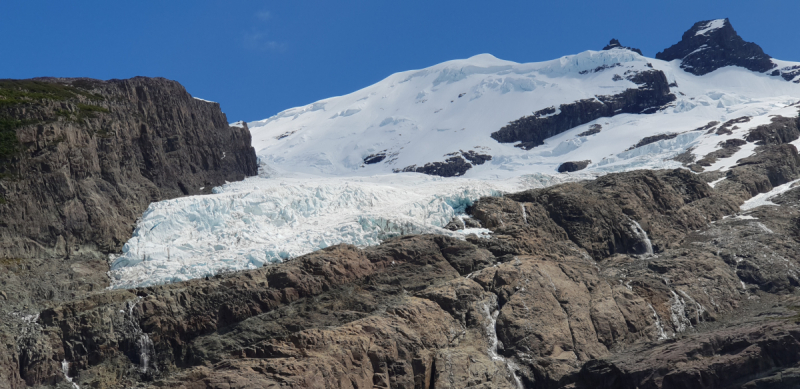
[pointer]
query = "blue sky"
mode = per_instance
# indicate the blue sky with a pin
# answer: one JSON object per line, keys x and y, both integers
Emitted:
{"x": 257, "y": 58}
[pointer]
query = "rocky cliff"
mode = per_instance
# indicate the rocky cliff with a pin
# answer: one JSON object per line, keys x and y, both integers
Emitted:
{"x": 650, "y": 95}
{"x": 81, "y": 159}
{"x": 648, "y": 279}
{"x": 713, "y": 44}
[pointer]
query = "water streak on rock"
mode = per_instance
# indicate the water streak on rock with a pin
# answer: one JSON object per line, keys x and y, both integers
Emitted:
{"x": 491, "y": 332}
{"x": 65, "y": 370}
{"x": 642, "y": 236}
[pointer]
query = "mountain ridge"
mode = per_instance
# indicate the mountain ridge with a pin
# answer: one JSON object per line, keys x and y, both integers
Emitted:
{"x": 642, "y": 233}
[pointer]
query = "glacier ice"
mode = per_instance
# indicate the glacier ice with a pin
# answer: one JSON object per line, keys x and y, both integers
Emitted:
{"x": 248, "y": 224}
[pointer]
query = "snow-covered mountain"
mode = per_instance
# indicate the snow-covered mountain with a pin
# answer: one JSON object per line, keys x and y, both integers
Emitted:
{"x": 346, "y": 169}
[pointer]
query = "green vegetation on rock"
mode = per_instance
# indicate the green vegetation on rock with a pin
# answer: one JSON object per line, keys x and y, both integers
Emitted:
{"x": 15, "y": 92}
{"x": 89, "y": 111}
{"x": 9, "y": 144}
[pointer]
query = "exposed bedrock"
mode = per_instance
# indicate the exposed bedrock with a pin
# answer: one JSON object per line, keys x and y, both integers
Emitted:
{"x": 89, "y": 156}
{"x": 631, "y": 279}
{"x": 713, "y": 44}
{"x": 607, "y": 216}
{"x": 780, "y": 130}
{"x": 531, "y": 131}
{"x": 614, "y": 44}
{"x": 455, "y": 165}
{"x": 573, "y": 166}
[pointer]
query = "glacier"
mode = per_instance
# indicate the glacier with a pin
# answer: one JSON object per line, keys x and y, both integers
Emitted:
{"x": 315, "y": 190}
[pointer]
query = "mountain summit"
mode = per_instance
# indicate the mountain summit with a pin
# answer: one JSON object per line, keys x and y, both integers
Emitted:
{"x": 713, "y": 44}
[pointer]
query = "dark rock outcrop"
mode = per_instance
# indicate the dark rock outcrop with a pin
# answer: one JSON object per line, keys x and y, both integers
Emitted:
{"x": 781, "y": 130}
{"x": 713, "y": 44}
{"x": 451, "y": 167}
{"x": 374, "y": 158}
{"x": 593, "y": 129}
{"x": 89, "y": 156}
{"x": 609, "y": 215}
{"x": 573, "y": 166}
{"x": 614, "y": 44}
{"x": 771, "y": 167}
{"x": 455, "y": 165}
{"x": 475, "y": 157}
{"x": 652, "y": 139}
{"x": 531, "y": 131}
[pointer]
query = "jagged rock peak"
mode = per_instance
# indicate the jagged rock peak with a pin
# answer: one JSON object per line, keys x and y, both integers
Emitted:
{"x": 614, "y": 44}
{"x": 713, "y": 44}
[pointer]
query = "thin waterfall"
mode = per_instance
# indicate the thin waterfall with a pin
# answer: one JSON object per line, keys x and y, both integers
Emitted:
{"x": 65, "y": 370}
{"x": 639, "y": 232}
{"x": 662, "y": 335}
{"x": 491, "y": 332}
{"x": 144, "y": 344}
{"x": 524, "y": 214}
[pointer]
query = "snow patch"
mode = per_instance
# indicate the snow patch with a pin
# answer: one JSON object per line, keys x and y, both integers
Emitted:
{"x": 764, "y": 198}
{"x": 711, "y": 26}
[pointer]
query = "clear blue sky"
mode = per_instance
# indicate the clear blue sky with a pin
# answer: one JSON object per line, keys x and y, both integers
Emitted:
{"x": 257, "y": 58}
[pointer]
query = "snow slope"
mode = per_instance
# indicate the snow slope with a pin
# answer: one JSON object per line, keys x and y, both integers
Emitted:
{"x": 420, "y": 116}
{"x": 315, "y": 190}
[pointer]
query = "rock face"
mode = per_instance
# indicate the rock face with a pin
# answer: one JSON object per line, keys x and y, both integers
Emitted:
{"x": 631, "y": 280}
{"x": 451, "y": 167}
{"x": 614, "y": 44}
{"x": 652, "y": 139}
{"x": 531, "y": 131}
{"x": 643, "y": 279}
{"x": 713, "y": 44}
{"x": 573, "y": 166}
{"x": 82, "y": 159}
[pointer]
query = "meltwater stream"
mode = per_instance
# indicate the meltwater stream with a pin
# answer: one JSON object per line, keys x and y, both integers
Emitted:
{"x": 144, "y": 344}
{"x": 639, "y": 232}
{"x": 491, "y": 331}
{"x": 65, "y": 370}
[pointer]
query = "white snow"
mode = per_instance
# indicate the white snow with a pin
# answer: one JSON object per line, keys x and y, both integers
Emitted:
{"x": 711, "y": 26}
{"x": 314, "y": 189}
{"x": 207, "y": 101}
{"x": 239, "y": 124}
{"x": 764, "y": 198}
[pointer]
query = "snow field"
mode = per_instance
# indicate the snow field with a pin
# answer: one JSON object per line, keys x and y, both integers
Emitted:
{"x": 314, "y": 190}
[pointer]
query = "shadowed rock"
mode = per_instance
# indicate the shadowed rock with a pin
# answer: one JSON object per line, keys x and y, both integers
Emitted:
{"x": 713, "y": 44}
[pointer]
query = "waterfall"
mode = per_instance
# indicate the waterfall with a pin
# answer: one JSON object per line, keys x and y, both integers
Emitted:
{"x": 144, "y": 344}
{"x": 491, "y": 332}
{"x": 524, "y": 214}
{"x": 65, "y": 370}
{"x": 639, "y": 232}
{"x": 146, "y": 348}
{"x": 661, "y": 334}
{"x": 678, "y": 313}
